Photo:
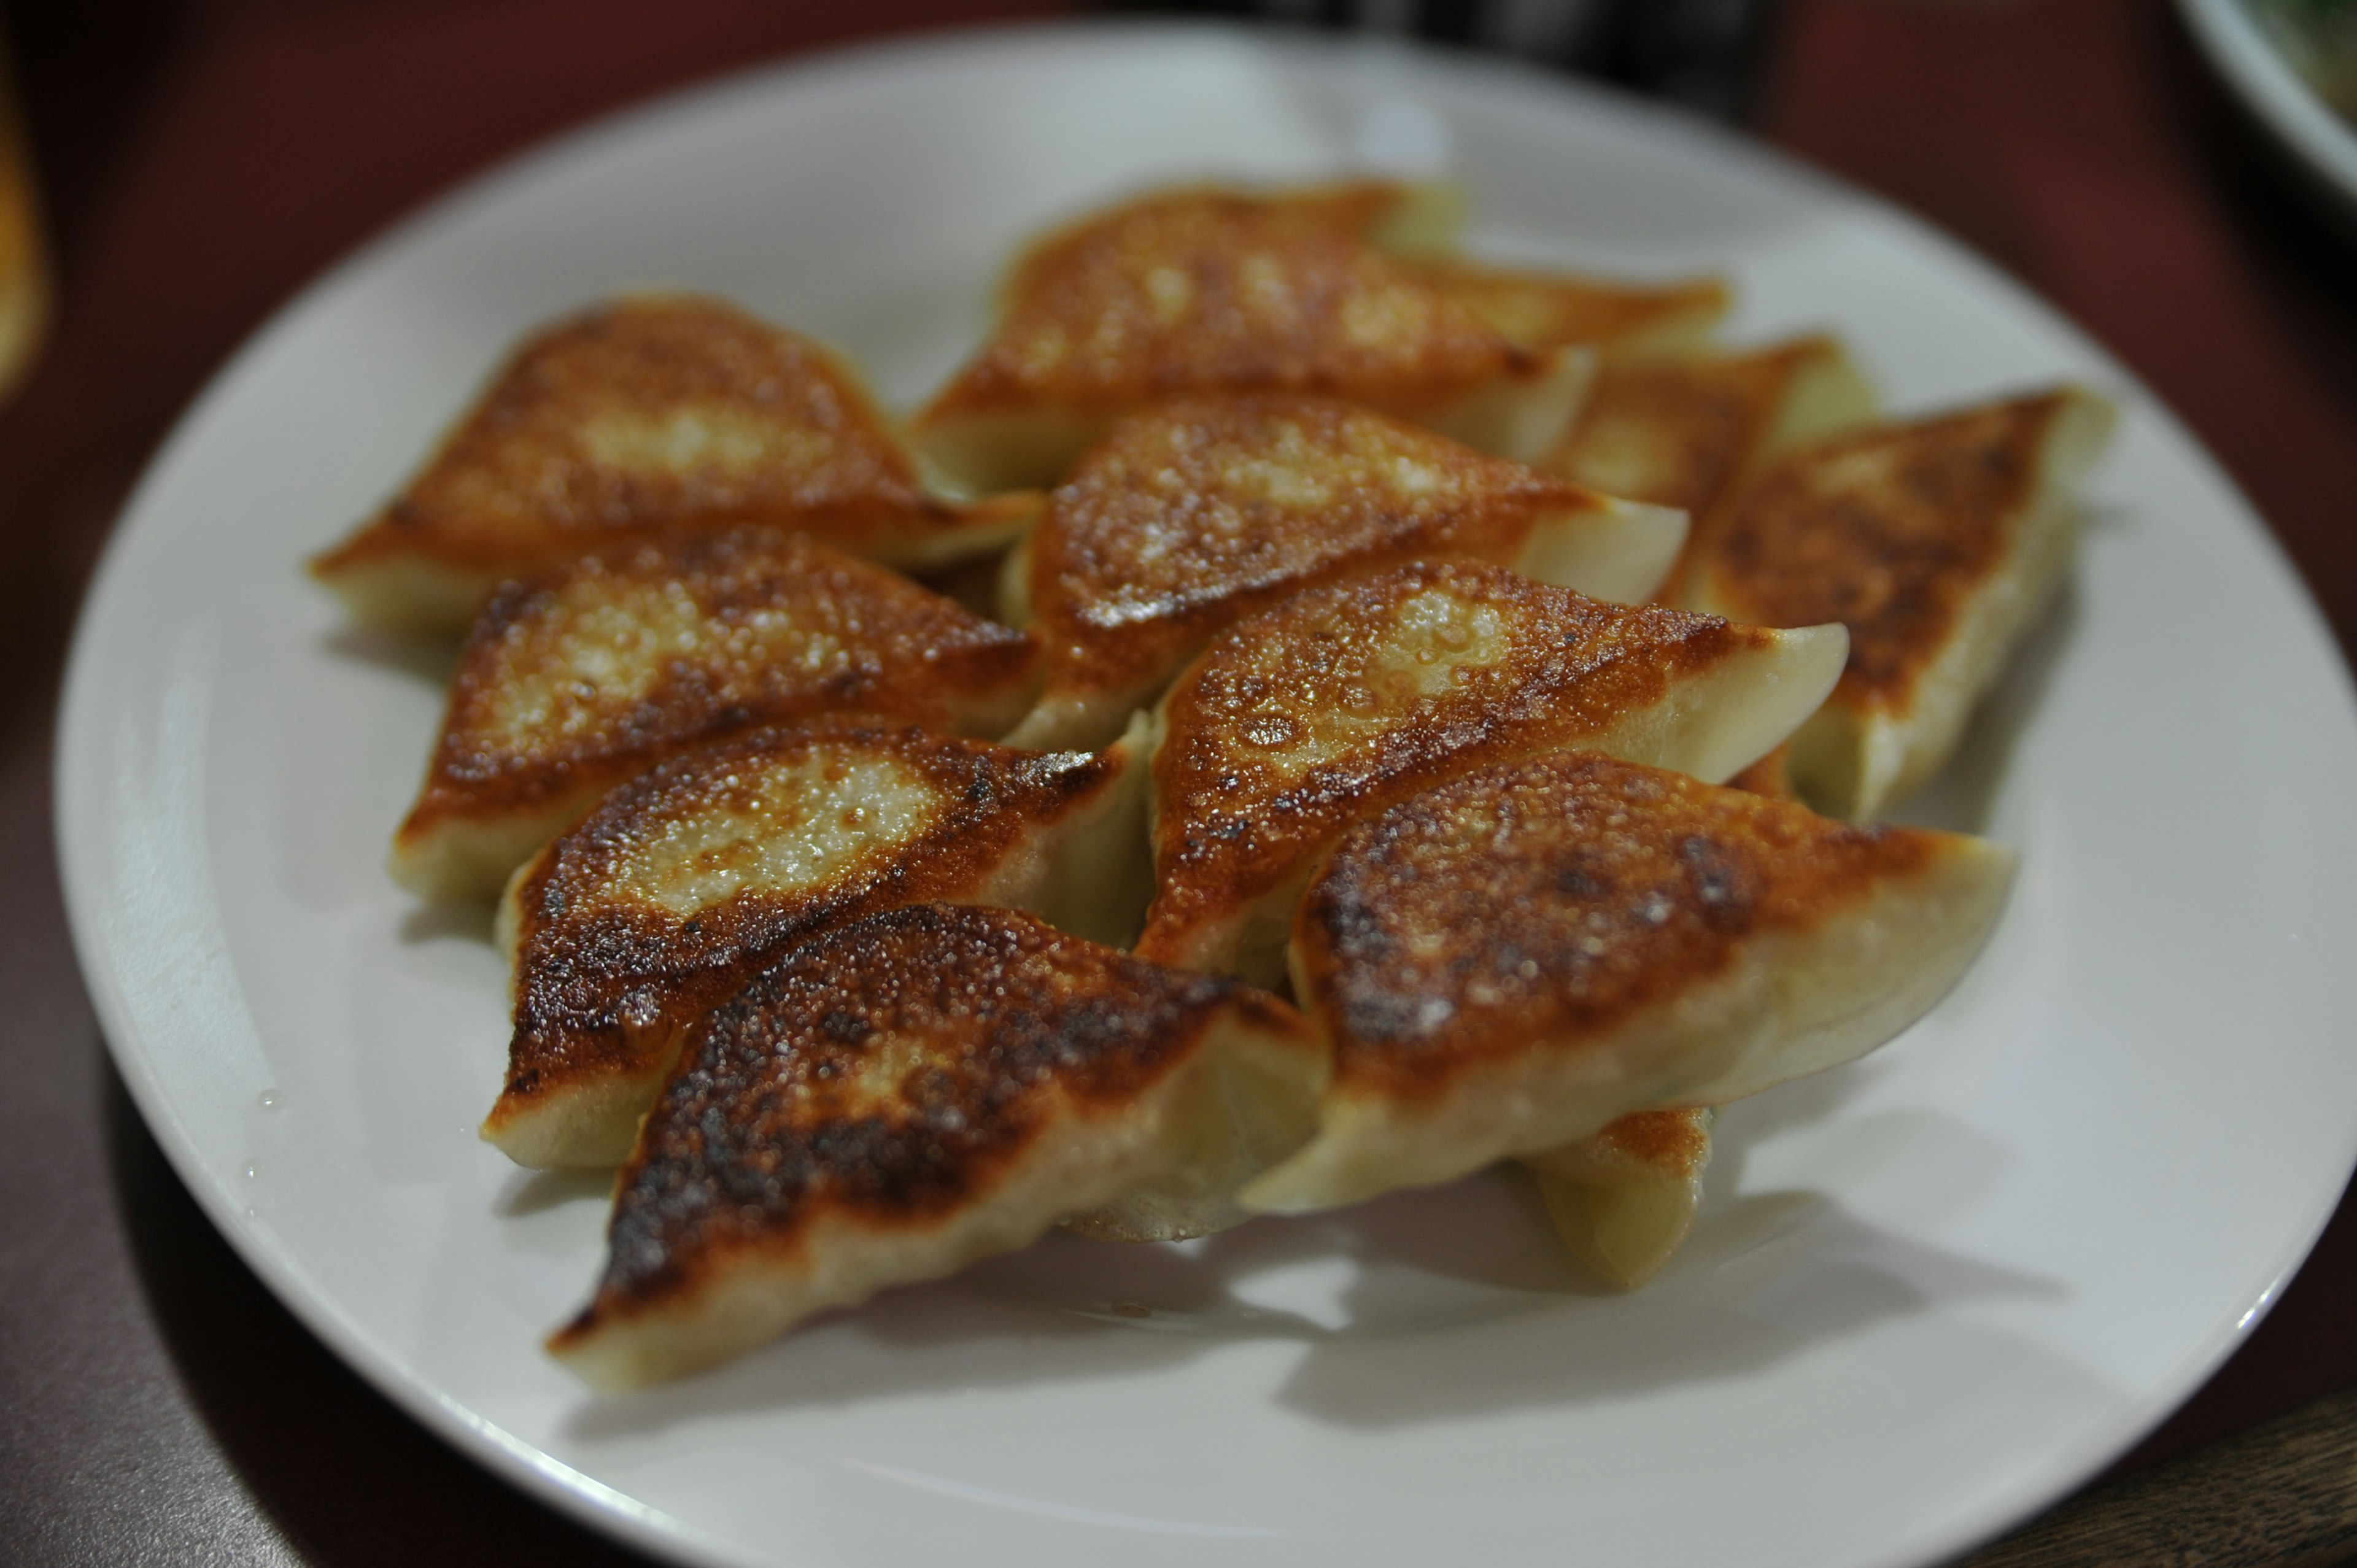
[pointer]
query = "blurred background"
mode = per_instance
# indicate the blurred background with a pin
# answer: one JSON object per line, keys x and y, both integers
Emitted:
{"x": 175, "y": 169}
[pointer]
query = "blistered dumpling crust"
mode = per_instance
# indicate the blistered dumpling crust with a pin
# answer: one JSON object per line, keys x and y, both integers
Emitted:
{"x": 886, "y": 1104}
{"x": 685, "y": 882}
{"x": 1353, "y": 696}
{"x": 1554, "y": 902}
{"x": 1191, "y": 517}
{"x": 1206, "y": 290}
{"x": 582, "y": 676}
{"x": 654, "y": 412}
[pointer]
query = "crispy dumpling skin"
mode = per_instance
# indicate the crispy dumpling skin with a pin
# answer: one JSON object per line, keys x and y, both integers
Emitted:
{"x": 1624, "y": 1201}
{"x": 1682, "y": 432}
{"x": 1350, "y": 698}
{"x": 892, "y": 1101}
{"x": 654, "y": 413}
{"x": 1935, "y": 542}
{"x": 1550, "y": 310}
{"x": 1512, "y": 962}
{"x": 686, "y": 882}
{"x": 1205, "y": 290}
{"x": 590, "y": 674}
{"x": 1191, "y": 517}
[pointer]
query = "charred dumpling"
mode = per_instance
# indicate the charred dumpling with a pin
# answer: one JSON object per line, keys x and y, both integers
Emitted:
{"x": 1349, "y": 698}
{"x": 1188, "y": 518}
{"x": 1511, "y": 962}
{"x": 1223, "y": 291}
{"x": 1935, "y": 542}
{"x": 686, "y": 882}
{"x": 897, "y": 1099}
{"x": 663, "y": 412}
{"x": 590, "y": 674}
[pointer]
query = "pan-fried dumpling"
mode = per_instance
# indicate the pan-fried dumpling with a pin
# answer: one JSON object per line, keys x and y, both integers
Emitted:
{"x": 1624, "y": 1201}
{"x": 1935, "y": 542}
{"x": 591, "y": 672}
{"x": 1512, "y": 962}
{"x": 1218, "y": 291}
{"x": 1189, "y": 518}
{"x": 1682, "y": 432}
{"x": 1550, "y": 310}
{"x": 892, "y": 1101}
{"x": 689, "y": 880}
{"x": 1352, "y": 697}
{"x": 665, "y": 413}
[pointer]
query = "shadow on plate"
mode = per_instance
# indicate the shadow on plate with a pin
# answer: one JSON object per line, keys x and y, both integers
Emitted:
{"x": 347, "y": 1478}
{"x": 529, "y": 1192}
{"x": 1421, "y": 1306}
{"x": 433, "y": 659}
{"x": 461, "y": 920}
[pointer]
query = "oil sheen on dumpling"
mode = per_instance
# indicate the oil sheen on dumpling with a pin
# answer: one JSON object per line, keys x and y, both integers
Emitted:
{"x": 686, "y": 882}
{"x": 1512, "y": 962}
{"x": 1624, "y": 1201}
{"x": 660, "y": 412}
{"x": 1211, "y": 291}
{"x": 1191, "y": 517}
{"x": 1349, "y": 698}
{"x": 590, "y": 674}
{"x": 897, "y": 1099}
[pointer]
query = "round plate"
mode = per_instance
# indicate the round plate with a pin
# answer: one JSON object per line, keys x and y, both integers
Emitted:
{"x": 1928, "y": 1294}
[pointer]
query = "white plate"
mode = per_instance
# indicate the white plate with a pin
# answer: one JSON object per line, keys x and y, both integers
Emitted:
{"x": 2322, "y": 143}
{"x": 1928, "y": 1294}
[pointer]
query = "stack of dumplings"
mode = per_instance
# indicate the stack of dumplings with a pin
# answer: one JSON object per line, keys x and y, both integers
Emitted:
{"x": 1431, "y": 715}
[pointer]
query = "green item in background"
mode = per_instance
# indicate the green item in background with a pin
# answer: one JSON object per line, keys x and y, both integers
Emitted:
{"x": 2319, "y": 38}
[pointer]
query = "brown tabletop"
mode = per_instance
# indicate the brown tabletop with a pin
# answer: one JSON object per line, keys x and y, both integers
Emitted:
{"x": 204, "y": 158}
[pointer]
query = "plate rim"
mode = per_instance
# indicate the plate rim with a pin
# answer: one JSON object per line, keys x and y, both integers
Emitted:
{"x": 573, "y": 1492}
{"x": 2267, "y": 87}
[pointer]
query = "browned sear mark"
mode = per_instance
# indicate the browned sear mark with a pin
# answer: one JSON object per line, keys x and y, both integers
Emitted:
{"x": 1204, "y": 290}
{"x": 587, "y": 674}
{"x": 1553, "y": 901}
{"x": 1888, "y": 531}
{"x": 654, "y": 413}
{"x": 1188, "y": 518}
{"x": 880, "y": 1077}
{"x": 611, "y": 963}
{"x": 1342, "y": 701}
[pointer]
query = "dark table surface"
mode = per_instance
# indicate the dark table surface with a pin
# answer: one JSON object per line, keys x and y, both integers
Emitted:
{"x": 204, "y": 158}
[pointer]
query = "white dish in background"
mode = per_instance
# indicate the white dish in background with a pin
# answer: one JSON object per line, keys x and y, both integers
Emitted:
{"x": 1928, "y": 1295}
{"x": 2272, "y": 89}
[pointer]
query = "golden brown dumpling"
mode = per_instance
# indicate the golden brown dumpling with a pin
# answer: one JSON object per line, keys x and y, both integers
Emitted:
{"x": 1205, "y": 290}
{"x": 1192, "y": 516}
{"x": 1934, "y": 541}
{"x": 1348, "y": 699}
{"x": 686, "y": 882}
{"x": 660, "y": 413}
{"x": 897, "y": 1099}
{"x": 1512, "y": 962}
{"x": 590, "y": 674}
